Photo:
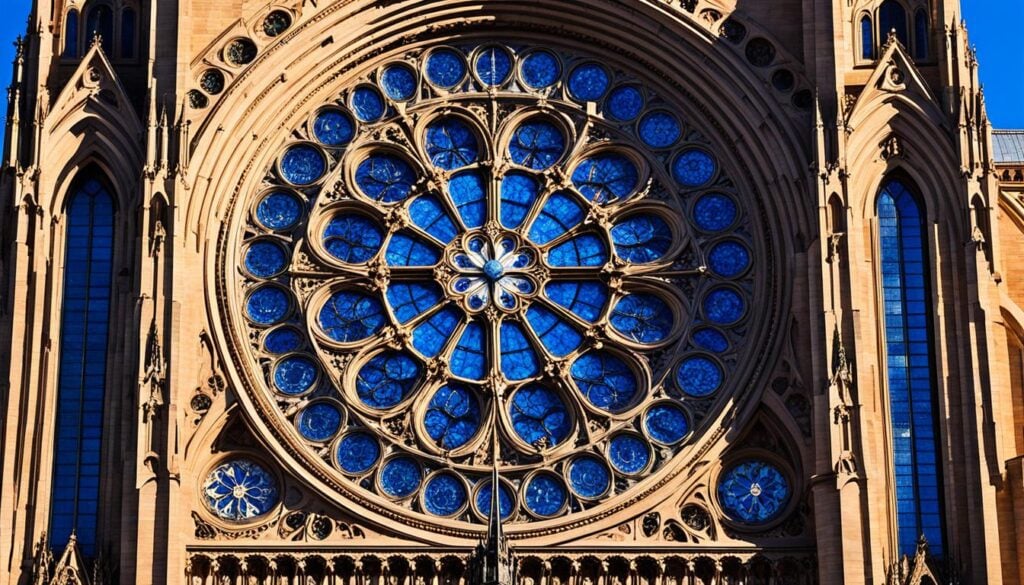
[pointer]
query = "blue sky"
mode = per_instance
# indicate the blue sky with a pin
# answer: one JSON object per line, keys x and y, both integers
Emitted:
{"x": 999, "y": 49}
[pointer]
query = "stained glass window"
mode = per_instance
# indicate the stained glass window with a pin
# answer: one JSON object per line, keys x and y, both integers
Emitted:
{"x": 128, "y": 26}
{"x": 99, "y": 21}
{"x": 892, "y": 18}
{"x": 82, "y": 377}
{"x": 921, "y": 34}
{"x": 910, "y": 369}
{"x": 71, "y": 35}
{"x": 434, "y": 282}
{"x": 867, "y": 38}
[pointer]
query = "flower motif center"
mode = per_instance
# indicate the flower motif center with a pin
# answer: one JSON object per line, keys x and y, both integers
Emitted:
{"x": 239, "y": 491}
{"x": 493, "y": 271}
{"x": 755, "y": 489}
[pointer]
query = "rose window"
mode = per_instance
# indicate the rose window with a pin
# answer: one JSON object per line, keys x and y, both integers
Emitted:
{"x": 498, "y": 255}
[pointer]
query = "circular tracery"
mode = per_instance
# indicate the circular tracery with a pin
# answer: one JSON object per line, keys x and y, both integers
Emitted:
{"x": 509, "y": 272}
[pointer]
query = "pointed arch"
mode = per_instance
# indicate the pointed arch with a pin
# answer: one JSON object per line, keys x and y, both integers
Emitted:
{"x": 892, "y": 18}
{"x": 867, "y": 38}
{"x": 99, "y": 21}
{"x": 71, "y": 35}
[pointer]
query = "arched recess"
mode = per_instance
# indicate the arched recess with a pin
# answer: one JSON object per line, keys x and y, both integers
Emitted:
{"x": 686, "y": 63}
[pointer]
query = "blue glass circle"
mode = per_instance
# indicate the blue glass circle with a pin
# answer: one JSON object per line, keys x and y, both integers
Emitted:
{"x": 711, "y": 339}
{"x": 283, "y": 340}
{"x": 444, "y": 495}
{"x": 451, "y": 144}
{"x": 545, "y": 495}
{"x": 353, "y": 238}
{"x": 714, "y": 212}
{"x": 399, "y": 82}
{"x": 295, "y": 375}
{"x": 493, "y": 66}
{"x": 445, "y": 68}
{"x": 387, "y": 379}
{"x": 265, "y": 258}
{"x": 400, "y": 477}
{"x": 350, "y": 316}
{"x": 319, "y": 421}
{"x": 334, "y": 127}
{"x": 589, "y": 478}
{"x": 729, "y": 259}
{"x": 643, "y": 318}
{"x": 642, "y": 238}
{"x": 659, "y": 129}
{"x": 588, "y": 82}
{"x": 694, "y": 167}
{"x": 357, "y": 452}
{"x": 506, "y": 500}
{"x": 267, "y": 305}
{"x": 368, "y": 104}
{"x": 453, "y": 416}
{"x": 540, "y": 69}
{"x": 606, "y": 177}
{"x": 625, "y": 102}
{"x": 279, "y": 211}
{"x": 385, "y": 177}
{"x": 302, "y": 164}
{"x": 605, "y": 380}
{"x": 629, "y": 454}
{"x": 753, "y": 492}
{"x": 724, "y": 306}
{"x": 699, "y": 376}
{"x": 536, "y": 144}
{"x": 539, "y": 416}
{"x": 239, "y": 490}
{"x": 666, "y": 423}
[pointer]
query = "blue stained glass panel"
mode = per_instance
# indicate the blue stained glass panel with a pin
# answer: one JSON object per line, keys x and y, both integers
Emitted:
{"x": 506, "y": 500}
{"x": 469, "y": 193}
{"x": 283, "y": 340}
{"x": 711, "y": 339}
{"x": 625, "y": 102}
{"x": 264, "y": 259}
{"x": 659, "y": 129}
{"x": 469, "y": 358}
{"x": 408, "y": 249}
{"x": 444, "y": 495}
{"x": 867, "y": 39}
{"x": 451, "y": 144}
{"x": 699, "y": 376}
{"x": 607, "y": 177}
{"x": 540, "y": 69}
{"x": 753, "y": 492}
{"x": 518, "y": 360}
{"x": 385, "y": 177}
{"x": 239, "y": 490}
{"x": 724, "y": 306}
{"x": 267, "y": 305}
{"x": 585, "y": 299}
{"x": 539, "y": 416}
{"x": 629, "y": 454}
{"x": 729, "y": 259}
{"x": 319, "y": 421}
{"x": 694, "y": 167}
{"x": 545, "y": 495}
{"x": 279, "y": 211}
{"x": 399, "y": 82}
{"x": 892, "y": 16}
{"x": 400, "y": 477}
{"x": 561, "y": 213}
{"x": 368, "y": 104}
{"x": 295, "y": 375}
{"x": 642, "y": 238}
{"x": 430, "y": 215}
{"x": 453, "y": 416}
{"x": 518, "y": 193}
{"x": 589, "y": 478}
{"x": 536, "y": 144}
{"x": 353, "y": 238}
{"x": 333, "y": 127}
{"x": 588, "y": 82}
{"x": 714, "y": 212}
{"x": 445, "y": 68}
{"x": 583, "y": 250}
{"x": 387, "y": 379}
{"x": 430, "y": 337}
{"x": 349, "y": 316}
{"x": 302, "y": 165}
{"x": 493, "y": 66}
{"x": 642, "y": 317}
{"x": 409, "y": 300}
{"x": 666, "y": 423}
{"x": 558, "y": 337}
{"x": 605, "y": 380}
{"x": 357, "y": 452}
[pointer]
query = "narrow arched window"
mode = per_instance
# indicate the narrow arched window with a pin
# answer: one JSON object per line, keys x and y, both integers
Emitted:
{"x": 910, "y": 369}
{"x": 867, "y": 38}
{"x": 128, "y": 33}
{"x": 99, "y": 20}
{"x": 921, "y": 35}
{"x": 81, "y": 389}
{"x": 71, "y": 34}
{"x": 892, "y": 17}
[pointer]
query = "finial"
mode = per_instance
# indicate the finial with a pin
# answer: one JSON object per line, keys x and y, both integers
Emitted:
{"x": 97, "y": 39}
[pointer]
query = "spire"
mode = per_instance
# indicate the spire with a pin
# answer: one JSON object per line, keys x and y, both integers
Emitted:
{"x": 492, "y": 562}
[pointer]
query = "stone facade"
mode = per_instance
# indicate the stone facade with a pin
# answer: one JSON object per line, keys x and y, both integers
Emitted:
{"x": 182, "y": 110}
